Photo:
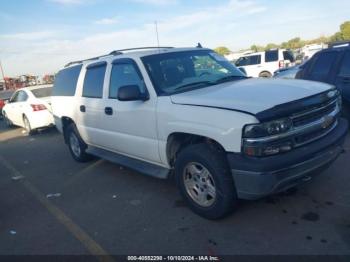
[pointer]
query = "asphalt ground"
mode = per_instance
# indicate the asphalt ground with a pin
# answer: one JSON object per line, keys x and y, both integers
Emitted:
{"x": 100, "y": 208}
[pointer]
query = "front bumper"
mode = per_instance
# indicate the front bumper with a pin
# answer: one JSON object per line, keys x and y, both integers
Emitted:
{"x": 258, "y": 177}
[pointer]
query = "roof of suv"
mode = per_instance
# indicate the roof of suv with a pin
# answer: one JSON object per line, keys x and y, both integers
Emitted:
{"x": 337, "y": 46}
{"x": 134, "y": 53}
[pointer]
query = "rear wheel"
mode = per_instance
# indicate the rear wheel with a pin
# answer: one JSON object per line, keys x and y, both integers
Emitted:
{"x": 27, "y": 126}
{"x": 205, "y": 181}
{"x": 7, "y": 120}
{"x": 76, "y": 145}
{"x": 265, "y": 74}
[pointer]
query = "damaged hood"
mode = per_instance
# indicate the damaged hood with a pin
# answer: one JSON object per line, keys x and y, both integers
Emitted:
{"x": 251, "y": 95}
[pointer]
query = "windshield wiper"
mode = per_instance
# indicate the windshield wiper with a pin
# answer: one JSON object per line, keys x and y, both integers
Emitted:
{"x": 229, "y": 78}
{"x": 195, "y": 84}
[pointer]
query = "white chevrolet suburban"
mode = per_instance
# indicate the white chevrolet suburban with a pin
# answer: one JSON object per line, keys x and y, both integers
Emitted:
{"x": 190, "y": 113}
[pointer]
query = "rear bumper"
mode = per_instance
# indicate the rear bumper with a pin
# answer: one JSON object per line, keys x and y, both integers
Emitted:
{"x": 41, "y": 119}
{"x": 258, "y": 177}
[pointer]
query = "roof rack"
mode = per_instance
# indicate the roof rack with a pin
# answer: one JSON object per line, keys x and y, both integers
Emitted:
{"x": 339, "y": 44}
{"x": 117, "y": 52}
{"x": 120, "y": 51}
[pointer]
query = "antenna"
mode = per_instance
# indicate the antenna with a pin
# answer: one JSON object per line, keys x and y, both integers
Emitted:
{"x": 156, "y": 25}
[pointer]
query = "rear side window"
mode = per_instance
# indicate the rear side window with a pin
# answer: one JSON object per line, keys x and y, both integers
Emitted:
{"x": 94, "y": 79}
{"x": 345, "y": 65}
{"x": 22, "y": 96}
{"x": 124, "y": 74}
{"x": 42, "y": 92}
{"x": 249, "y": 60}
{"x": 271, "y": 56}
{"x": 323, "y": 65}
{"x": 66, "y": 81}
{"x": 288, "y": 55}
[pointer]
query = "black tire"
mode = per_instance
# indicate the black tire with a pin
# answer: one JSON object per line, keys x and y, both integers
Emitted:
{"x": 215, "y": 162}
{"x": 76, "y": 147}
{"x": 7, "y": 121}
{"x": 265, "y": 74}
{"x": 27, "y": 126}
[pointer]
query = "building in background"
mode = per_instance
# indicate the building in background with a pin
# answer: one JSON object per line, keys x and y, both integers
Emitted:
{"x": 26, "y": 80}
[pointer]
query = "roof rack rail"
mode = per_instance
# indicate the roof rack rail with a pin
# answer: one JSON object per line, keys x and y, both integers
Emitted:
{"x": 339, "y": 44}
{"x": 116, "y": 52}
{"x": 120, "y": 51}
{"x": 81, "y": 61}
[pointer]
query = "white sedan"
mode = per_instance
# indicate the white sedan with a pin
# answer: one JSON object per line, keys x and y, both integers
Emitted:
{"x": 30, "y": 108}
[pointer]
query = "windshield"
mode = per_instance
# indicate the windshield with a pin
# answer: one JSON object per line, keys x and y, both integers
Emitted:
{"x": 183, "y": 71}
{"x": 42, "y": 92}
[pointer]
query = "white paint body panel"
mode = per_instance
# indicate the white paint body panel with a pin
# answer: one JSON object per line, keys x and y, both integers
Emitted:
{"x": 141, "y": 129}
{"x": 251, "y": 95}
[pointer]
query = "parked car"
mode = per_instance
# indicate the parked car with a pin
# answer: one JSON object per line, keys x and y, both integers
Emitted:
{"x": 4, "y": 97}
{"x": 332, "y": 66}
{"x": 30, "y": 108}
{"x": 190, "y": 113}
{"x": 288, "y": 72}
{"x": 264, "y": 64}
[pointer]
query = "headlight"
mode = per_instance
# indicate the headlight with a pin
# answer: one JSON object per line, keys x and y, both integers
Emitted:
{"x": 267, "y": 129}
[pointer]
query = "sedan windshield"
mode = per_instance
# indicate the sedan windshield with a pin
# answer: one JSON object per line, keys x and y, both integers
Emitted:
{"x": 184, "y": 71}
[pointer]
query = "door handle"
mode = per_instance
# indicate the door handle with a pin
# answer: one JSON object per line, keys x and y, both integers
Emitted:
{"x": 82, "y": 109}
{"x": 109, "y": 111}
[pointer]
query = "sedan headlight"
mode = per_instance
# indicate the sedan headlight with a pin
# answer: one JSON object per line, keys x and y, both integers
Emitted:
{"x": 267, "y": 129}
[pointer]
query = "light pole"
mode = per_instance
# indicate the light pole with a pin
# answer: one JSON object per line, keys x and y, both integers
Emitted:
{"x": 3, "y": 75}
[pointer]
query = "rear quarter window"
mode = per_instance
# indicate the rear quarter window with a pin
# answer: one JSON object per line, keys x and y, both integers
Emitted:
{"x": 66, "y": 81}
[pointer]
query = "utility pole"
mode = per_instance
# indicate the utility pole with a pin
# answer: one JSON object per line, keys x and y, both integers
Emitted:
{"x": 3, "y": 75}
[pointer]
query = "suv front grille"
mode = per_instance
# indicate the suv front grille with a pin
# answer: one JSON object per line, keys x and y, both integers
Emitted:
{"x": 316, "y": 122}
{"x": 312, "y": 115}
{"x": 308, "y": 125}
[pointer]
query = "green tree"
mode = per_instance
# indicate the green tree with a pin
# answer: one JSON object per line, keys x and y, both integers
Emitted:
{"x": 257, "y": 48}
{"x": 336, "y": 37}
{"x": 271, "y": 46}
{"x": 345, "y": 30}
{"x": 222, "y": 50}
{"x": 295, "y": 43}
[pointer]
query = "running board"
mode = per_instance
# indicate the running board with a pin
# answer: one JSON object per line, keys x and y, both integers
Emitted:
{"x": 135, "y": 164}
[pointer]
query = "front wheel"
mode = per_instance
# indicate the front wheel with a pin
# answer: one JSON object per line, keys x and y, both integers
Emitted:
{"x": 76, "y": 145}
{"x": 205, "y": 181}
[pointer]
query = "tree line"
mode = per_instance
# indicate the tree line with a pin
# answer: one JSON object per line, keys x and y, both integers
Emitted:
{"x": 342, "y": 35}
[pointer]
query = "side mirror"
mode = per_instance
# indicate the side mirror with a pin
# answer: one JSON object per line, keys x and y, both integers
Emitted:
{"x": 131, "y": 93}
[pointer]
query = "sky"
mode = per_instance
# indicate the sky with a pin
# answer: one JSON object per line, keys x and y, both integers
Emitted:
{"x": 41, "y": 36}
